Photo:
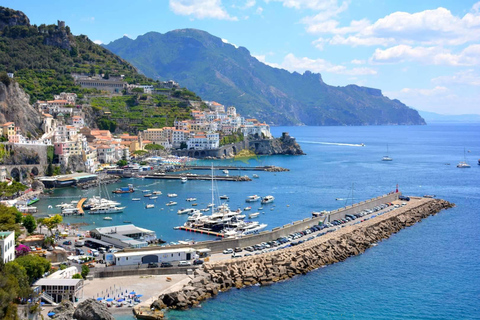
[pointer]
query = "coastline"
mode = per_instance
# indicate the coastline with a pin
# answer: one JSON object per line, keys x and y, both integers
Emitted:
{"x": 276, "y": 266}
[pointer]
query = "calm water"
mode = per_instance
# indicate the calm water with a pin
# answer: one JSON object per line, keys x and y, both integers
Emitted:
{"x": 428, "y": 271}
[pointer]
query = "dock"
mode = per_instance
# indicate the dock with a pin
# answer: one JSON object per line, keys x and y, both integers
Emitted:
{"x": 210, "y": 233}
{"x": 256, "y": 168}
{"x": 196, "y": 177}
{"x": 80, "y": 206}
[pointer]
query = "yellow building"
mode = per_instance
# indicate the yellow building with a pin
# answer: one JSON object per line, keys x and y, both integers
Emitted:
{"x": 8, "y": 129}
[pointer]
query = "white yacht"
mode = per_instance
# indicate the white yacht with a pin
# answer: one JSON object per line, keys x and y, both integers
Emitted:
{"x": 463, "y": 164}
{"x": 171, "y": 203}
{"x": 105, "y": 209}
{"x": 268, "y": 199}
{"x": 69, "y": 211}
{"x": 252, "y": 198}
{"x": 387, "y": 158}
{"x": 172, "y": 195}
{"x": 153, "y": 197}
{"x": 157, "y": 192}
{"x": 245, "y": 229}
{"x": 150, "y": 206}
{"x": 191, "y": 199}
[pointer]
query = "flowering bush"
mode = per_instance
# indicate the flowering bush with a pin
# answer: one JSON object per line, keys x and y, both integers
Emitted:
{"x": 22, "y": 250}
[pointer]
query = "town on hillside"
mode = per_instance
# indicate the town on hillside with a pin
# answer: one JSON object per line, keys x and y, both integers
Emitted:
{"x": 64, "y": 127}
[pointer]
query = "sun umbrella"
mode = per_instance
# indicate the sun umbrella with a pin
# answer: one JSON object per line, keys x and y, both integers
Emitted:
{"x": 120, "y": 300}
{"x": 50, "y": 314}
{"x": 99, "y": 299}
{"x": 139, "y": 295}
{"x": 109, "y": 299}
{"x": 133, "y": 292}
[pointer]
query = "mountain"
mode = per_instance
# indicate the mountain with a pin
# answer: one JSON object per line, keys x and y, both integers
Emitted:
{"x": 219, "y": 71}
{"x": 436, "y": 117}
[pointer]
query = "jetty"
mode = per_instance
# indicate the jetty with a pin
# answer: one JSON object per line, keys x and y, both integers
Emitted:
{"x": 196, "y": 177}
{"x": 256, "y": 168}
{"x": 210, "y": 233}
{"x": 80, "y": 206}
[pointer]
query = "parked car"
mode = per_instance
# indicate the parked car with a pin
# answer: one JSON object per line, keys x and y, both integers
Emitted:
{"x": 152, "y": 265}
{"x": 79, "y": 252}
{"x": 67, "y": 243}
{"x": 184, "y": 263}
{"x": 238, "y": 249}
{"x": 79, "y": 243}
{"x": 404, "y": 198}
{"x": 166, "y": 265}
{"x": 197, "y": 262}
{"x": 228, "y": 251}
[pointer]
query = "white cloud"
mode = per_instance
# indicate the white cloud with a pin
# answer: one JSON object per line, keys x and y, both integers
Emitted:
{"x": 201, "y": 9}
{"x": 437, "y": 27}
{"x": 226, "y": 41}
{"x": 97, "y": 41}
{"x": 259, "y": 10}
{"x": 262, "y": 58}
{"x": 437, "y": 91}
{"x": 356, "y": 61}
{"x": 323, "y": 5}
{"x": 470, "y": 56}
{"x": 302, "y": 64}
{"x": 249, "y": 4}
{"x": 468, "y": 77}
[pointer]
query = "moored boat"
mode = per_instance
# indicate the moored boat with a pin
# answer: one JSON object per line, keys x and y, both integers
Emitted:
{"x": 171, "y": 203}
{"x": 252, "y": 198}
{"x": 191, "y": 199}
{"x": 267, "y": 199}
{"x": 254, "y": 215}
{"x": 172, "y": 195}
{"x": 150, "y": 206}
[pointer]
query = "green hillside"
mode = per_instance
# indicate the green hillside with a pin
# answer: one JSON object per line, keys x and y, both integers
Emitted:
{"x": 221, "y": 72}
{"x": 43, "y": 59}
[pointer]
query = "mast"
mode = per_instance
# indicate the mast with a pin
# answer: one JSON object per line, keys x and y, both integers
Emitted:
{"x": 212, "y": 189}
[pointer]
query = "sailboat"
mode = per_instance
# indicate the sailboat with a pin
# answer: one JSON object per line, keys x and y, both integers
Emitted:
{"x": 463, "y": 164}
{"x": 105, "y": 206}
{"x": 387, "y": 158}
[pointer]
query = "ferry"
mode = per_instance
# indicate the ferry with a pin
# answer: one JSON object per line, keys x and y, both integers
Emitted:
{"x": 252, "y": 198}
{"x": 150, "y": 206}
{"x": 171, "y": 203}
{"x": 172, "y": 195}
{"x": 267, "y": 199}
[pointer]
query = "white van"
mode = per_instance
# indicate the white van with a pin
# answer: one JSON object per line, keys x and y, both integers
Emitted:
{"x": 79, "y": 243}
{"x": 95, "y": 252}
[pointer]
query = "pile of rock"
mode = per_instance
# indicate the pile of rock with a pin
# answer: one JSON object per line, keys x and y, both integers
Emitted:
{"x": 89, "y": 309}
{"x": 275, "y": 169}
{"x": 275, "y": 266}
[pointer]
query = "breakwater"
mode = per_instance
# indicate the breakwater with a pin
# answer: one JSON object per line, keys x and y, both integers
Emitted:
{"x": 283, "y": 264}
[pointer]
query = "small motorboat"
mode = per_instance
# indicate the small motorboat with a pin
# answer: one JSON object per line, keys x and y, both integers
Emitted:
{"x": 147, "y": 195}
{"x": 194, "y": 204}
{"x": 226, "y": 171}
{"x": 145, "y": 191}
{"x": 184, "y": 179}
{"x": 247, "y": 209}
{"x": 172, "y": 195}
{"x": 150, "y": 206}
{"x": 210, "y": 205}
{"x": 126, "y": 221}
{"x": 153, "y": 197}
{"x": 254, "y": 215}
{"x": 255, "y": 175}
{"x": 171, "y": 203}
{"x": 136, "y": 199}
{"x": 224, "y": 197}
{"x": 157, "y": 192}
{"x": 191, "y": 199}
{"x": 107, "y": 218}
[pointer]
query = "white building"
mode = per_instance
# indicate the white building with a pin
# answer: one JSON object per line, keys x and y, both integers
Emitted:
{"x": 157, "y": 256}
{"x": 207, "y": 141}
{"x": 7, "y": 246}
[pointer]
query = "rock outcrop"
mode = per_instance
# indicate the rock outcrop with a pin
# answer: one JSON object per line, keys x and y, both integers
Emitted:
{"x": 64, "y": 311}
{"x": 12, "y": 18}
{"x": 91, "y": 309}
{"x": 283, "y": 145}
{"x": 275, "y": 266}
{"x": 15, "y": 107}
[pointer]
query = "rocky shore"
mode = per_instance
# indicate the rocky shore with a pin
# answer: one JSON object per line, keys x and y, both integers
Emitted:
{"x": 89, "y": 309}
{"x": 275, "y": 266}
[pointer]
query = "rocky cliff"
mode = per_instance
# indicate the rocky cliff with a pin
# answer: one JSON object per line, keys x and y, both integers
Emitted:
{"x": 271, "y": 267}
{"x": 11, "y": 18}
{"x": 15, "y": 107}
{"x": 283, "y": 145}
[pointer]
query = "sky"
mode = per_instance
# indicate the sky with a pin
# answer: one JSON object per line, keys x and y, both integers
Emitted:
{"x": 424, "y": 53}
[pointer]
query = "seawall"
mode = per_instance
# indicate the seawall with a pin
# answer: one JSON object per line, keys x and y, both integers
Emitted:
{"x": 279, "y": 265}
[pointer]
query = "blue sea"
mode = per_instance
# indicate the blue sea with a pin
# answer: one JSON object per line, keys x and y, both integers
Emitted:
{"x": 428, "y": 271}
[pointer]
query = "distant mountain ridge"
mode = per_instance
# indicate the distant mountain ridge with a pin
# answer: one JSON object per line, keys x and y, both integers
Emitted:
{"x": 436, "y": 117}
{"x": 219, "y": 71}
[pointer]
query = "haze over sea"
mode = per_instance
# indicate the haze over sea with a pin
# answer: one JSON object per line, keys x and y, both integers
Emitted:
{"x": 428, "y": 271}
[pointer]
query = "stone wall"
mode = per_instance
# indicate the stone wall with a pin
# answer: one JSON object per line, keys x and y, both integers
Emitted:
{"x": 279, "y": 265}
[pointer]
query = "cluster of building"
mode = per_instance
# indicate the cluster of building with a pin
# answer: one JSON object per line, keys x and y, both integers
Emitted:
{"x": 206, "y": 129}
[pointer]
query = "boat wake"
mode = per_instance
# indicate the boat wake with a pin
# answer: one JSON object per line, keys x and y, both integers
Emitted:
{"x": 334, "y": 143}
